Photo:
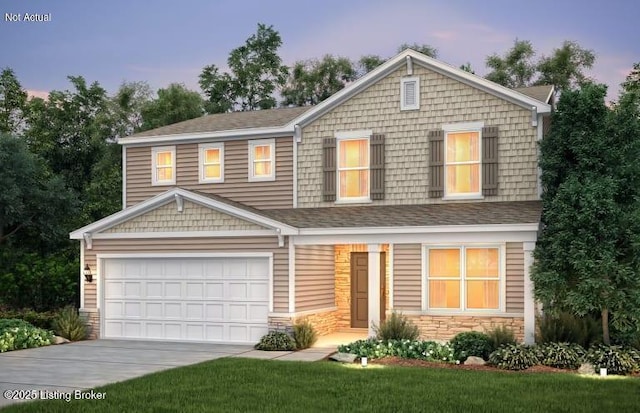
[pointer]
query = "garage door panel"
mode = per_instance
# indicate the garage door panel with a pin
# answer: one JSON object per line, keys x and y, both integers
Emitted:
{"x": 197, "y": 299}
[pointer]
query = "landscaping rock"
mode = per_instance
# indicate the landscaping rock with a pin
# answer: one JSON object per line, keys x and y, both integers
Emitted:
{"x": 586, "y": 368}
{"x": 59, "y": 340}
{"x": 474, "y": 361}
{"x": 343, "y": 357}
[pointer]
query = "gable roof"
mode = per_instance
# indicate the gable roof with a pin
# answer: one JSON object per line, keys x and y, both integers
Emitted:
{"x": 409, "y": 57}
{"x": 543, "y": 93}
{"x": 283, "y": 121}
{"x": 214, "y": 202}
{"x": 256, "y": 122}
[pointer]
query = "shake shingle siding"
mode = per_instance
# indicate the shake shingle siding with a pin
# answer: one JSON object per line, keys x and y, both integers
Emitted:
{"x": 443, "y": 101}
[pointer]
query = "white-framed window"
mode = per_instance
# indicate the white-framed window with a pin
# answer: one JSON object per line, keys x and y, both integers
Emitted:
{"x": 163, "y": 165}
{"x": 463, "y": 160}
{"x": 464, "y": 278}
{"x": 353, "y": 173}
{"x": 211, "y": 162}
{"x": 410, "y": 93}
{"x": 262, "y": 160}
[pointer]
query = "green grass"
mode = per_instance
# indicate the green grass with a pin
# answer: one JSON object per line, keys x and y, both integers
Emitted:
{"x": 244, "y": 385}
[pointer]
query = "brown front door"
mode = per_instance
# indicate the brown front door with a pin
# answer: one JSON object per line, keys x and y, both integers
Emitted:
{"x": 360, "y": 289}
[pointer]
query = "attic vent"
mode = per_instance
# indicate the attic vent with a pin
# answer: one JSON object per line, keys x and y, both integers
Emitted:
{"x": 410, "y": 93}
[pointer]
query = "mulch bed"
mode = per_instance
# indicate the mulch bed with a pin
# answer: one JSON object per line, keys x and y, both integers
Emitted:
{"x": 397, "y": 361}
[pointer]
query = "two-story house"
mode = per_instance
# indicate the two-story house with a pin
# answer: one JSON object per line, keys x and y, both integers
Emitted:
{"x": 415, "y": 189}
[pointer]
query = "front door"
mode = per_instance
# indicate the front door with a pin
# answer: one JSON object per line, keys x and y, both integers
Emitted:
{"x": 360, "y": 289}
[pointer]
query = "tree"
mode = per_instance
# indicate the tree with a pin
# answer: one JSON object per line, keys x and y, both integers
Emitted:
{"x": 565, "y": 67}
{"x": 422, "y": 48}
{"x": 632, "y": 82}
{"x": 467, "y": 68}
{"x": 256, "y": 72}
{"x": 515, "y": 68}
{"x": 588, "y": 252}
{"x": 13, "y": 101}
{"x": 174, "y": 104}
{"x": 313, "y": 81}
{"x": 33, "y": 201}
{"x": 126, "y": 106}
{"x": 367, "y": 63}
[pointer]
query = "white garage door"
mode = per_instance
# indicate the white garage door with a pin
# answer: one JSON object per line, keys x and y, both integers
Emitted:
{"x": 189, "y": 299}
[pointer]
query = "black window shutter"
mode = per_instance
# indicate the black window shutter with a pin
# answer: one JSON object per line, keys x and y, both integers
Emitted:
{"x": 436, "y": 163}
{"x": 329, "y": 169}
{"x": 376, "y": 166}
{"x": 490, "y": 160}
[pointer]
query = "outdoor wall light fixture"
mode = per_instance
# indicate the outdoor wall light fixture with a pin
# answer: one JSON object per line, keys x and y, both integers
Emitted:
{"x": 87, "y": 273}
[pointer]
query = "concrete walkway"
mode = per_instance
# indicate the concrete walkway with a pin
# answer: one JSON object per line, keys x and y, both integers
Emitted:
{"x": 87, "y": 364}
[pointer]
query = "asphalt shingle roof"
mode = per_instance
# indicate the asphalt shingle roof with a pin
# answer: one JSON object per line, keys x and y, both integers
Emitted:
{"x": 540, "y": 93}
{"x": 477, "y": 213}
{"x": 229, "y": 121}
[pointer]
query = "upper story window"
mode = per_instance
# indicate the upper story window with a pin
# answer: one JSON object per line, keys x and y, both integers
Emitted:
{"x": 163, "y": 161}
{"x": 410, "y": 93}
{"x": 211, "y": 162}
{"x": 262, "y": 164}
{"x": 464, "y": 278}
{"x": 353, "y": 166}
{"x": 462, "y": 165}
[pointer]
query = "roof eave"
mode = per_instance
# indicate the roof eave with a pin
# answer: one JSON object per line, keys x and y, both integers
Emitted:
{"x": 522, "y": 227}
{"x": 231, "y": 134}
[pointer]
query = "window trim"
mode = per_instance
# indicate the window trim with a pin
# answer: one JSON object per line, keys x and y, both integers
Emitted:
{"x": 353, "y": 136}
{"x": 502, "y": 279}
{"x": 202, "y": 148}
{"x": 272, "y": 158}
{"x": 154, "y": 165}
{"x": 403, "y": 83}
{"x": 462, "y": 128}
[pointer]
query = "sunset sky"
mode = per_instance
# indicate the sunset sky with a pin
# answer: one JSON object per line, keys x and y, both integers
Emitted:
{"x": 166, "y": 41}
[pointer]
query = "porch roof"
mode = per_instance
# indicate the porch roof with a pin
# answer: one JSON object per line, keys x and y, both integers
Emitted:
{"x": 477, "y": 213}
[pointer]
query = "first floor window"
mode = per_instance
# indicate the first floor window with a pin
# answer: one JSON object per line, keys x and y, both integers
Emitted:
{"x": 353, "y": 169}
{"x": 463, "y": 278}
{"x": 163, "y": 164}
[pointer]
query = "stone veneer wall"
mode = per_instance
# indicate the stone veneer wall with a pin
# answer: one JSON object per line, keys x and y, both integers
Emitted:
{"x": 324, "y": 322}
{"x": 446, "y": 327}
{"x": 343, "y": 281}
{"x": 91, "y": 316}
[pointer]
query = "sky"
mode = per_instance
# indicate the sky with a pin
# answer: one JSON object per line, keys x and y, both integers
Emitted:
{"x": 170, "y": 41}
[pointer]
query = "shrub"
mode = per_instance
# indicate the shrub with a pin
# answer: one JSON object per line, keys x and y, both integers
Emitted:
{"x": 18, "y": 334}
{"x": 304, "y": 334}
{"x": 567, "y": 328}
{"x": 69, "y": 325}
{"x": 614, "y": 358}
{"x": 499, "y": 336}
{"x": 470, "y": 343}
{"x": 560, "y": 355}
{"x": 41, "y": 319}
{"x": 276, "y": 341}
{"x": 397, "y": 327}
{"x": 513, "y": 357}
{"x": 38, "y": 282}
{"x": 410, "y": 349}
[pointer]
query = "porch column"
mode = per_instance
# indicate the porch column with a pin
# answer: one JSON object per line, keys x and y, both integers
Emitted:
{"x": 529, "y": 302}
{"x": 374, "y": 286}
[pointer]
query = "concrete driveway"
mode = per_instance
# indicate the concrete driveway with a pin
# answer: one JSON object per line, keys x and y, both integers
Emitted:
{"x": 78, "y": 366}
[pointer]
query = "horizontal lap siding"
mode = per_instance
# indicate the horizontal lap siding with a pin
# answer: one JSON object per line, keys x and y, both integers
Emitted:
{"x": 264, "y": 195}
{"x": 515, "y": 278}
{"x": 407, "y": 277}
{"x": 315, "y": 278}
{"x": 195, "y": 245}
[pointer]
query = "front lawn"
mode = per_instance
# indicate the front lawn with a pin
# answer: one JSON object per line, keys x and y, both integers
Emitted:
{"x": 246, "y": 385}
